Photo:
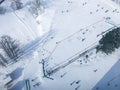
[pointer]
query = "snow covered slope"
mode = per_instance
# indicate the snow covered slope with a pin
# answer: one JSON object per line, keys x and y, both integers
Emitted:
{"x": 77, "y": 25}
{"x": 19, "y": 25}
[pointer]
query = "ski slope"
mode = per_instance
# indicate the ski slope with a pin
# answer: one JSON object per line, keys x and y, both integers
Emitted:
{"x": 74, "y": 21}
{"x": 76, "y": 26}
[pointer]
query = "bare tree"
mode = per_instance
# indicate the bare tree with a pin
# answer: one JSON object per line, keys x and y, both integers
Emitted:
{"x": 3, "y": 61}
{"x": 10, "y": 47}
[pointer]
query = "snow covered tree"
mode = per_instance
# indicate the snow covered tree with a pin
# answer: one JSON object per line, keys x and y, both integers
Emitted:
{"x": 110, "y": 41}
{"x": 10, "y": 47}
{"x": 36, "y": 8}
{"x": 16, "y": 4}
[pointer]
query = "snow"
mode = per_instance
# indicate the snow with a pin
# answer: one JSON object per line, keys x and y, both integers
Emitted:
{"x": 20, "y": 27}
{"x": 65, "y": 30}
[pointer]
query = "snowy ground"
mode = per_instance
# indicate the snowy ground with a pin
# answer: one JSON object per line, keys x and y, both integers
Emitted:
{"x": 76, "y": 25}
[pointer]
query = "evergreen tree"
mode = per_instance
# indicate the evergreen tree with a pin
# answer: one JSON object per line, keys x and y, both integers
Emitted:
{"x": 110, "y": 41}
